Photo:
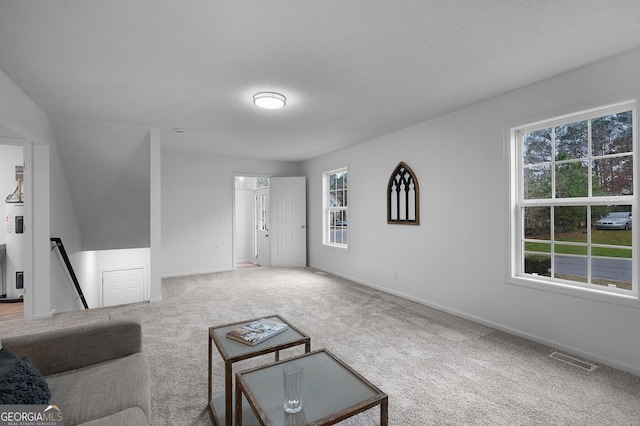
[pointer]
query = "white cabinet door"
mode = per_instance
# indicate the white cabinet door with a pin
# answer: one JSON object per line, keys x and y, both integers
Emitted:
{"x": 121, "y": 287}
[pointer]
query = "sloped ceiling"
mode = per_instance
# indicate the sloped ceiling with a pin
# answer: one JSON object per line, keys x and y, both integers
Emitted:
{"x": 351, "y": 70}
{"x": 108, "y": 172}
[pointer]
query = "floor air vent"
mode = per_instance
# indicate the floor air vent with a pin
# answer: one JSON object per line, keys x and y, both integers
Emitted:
{"x": 573, "y": 361}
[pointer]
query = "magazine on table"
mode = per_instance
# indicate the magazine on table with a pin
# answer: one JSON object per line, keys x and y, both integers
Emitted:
{"x": 257, "y": 331}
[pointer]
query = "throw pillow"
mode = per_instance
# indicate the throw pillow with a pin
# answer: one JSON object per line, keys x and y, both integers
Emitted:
{"x": 7, "y": 361}
{"x": 20, "y": 381}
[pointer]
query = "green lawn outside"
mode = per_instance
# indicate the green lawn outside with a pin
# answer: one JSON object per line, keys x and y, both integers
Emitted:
{"x": 609, "y": 237}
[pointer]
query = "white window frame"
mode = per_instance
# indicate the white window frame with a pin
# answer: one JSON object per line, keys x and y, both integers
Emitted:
{"x": 328, "y": 208}
{"x": 516, "y": 273}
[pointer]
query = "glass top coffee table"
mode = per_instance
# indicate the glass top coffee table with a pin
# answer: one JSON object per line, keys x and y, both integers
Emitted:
{"x": 221, "y": 408}
{"x": 331, "y": 392}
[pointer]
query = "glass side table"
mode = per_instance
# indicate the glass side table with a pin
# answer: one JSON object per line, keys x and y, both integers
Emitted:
{"x": 331, "y": 392}
{"x": 221, "y": 408}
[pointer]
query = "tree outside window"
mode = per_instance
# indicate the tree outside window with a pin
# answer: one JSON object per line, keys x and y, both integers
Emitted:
{"x": 572, "y": 174}
{"x": 336, "y": 208}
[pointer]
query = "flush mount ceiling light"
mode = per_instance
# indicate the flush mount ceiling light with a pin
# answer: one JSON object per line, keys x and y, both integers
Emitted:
{"x": 269, "y": 100}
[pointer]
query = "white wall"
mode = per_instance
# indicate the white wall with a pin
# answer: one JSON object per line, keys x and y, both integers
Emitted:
{"x": 107, "y": 166}
{"x": 63, "y": 224}
{"x": 197, "y": 209}
{"x": 155, "y": 221}
{"x": 53, "y": 213}
{"x": 457, "y": 258}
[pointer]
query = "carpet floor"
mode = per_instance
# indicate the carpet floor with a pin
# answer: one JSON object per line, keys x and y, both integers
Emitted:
{"x": 436, "y": 368}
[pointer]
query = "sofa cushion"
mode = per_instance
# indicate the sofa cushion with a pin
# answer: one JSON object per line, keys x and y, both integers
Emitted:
{"x": 20, "y": 381}
{"x": 129, "y": 417}
{"x": 103, "y": 389}
{"x": 69, "y": 348}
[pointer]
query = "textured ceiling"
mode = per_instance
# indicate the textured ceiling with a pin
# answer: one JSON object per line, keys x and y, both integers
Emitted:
{"x": 351, "y": 70}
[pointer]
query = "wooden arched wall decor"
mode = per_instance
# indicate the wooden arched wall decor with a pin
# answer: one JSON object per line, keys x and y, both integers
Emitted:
{"x": 403, "y": 197}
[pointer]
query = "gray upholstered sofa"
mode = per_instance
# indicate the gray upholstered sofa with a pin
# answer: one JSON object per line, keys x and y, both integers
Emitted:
{"x": 97, "y": 373}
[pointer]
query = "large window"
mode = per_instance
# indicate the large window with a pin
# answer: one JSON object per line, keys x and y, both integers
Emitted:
{"x": 336, "y": 213}
{"x": 574, "y": 201}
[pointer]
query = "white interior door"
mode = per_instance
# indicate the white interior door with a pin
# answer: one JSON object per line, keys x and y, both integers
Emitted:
{"x": 262, "y": 227}
{"x": 121, "y": 287}
{"x": 288, "y": 233}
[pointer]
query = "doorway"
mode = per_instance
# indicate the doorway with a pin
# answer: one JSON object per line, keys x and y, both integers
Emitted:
{"x": 12, "y": 237}
{"x": 270, "y": 225}
{"x": 261, "y": 237}
{"x": 251, "y": 221}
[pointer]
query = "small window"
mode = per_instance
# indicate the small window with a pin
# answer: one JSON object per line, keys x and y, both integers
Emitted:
{"x": 574, "y": 201}
{"x": 336, "y": 213}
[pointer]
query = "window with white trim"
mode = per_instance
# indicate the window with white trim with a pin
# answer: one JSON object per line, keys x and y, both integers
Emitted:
{"x": 336, "y": 212}
{"x": 573, "y": 201}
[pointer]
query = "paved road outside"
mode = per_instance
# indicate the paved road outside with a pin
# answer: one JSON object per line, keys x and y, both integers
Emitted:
{"x": 601, "y": 267}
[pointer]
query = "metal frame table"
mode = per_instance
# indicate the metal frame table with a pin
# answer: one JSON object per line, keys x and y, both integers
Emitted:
{"x": 331, "y": 392}
{"x": 232, "y": 351}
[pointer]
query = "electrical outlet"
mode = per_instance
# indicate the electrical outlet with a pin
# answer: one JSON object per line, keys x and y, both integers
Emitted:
{"x": 395, "y": 275}
{"x": 216, "y": 247}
